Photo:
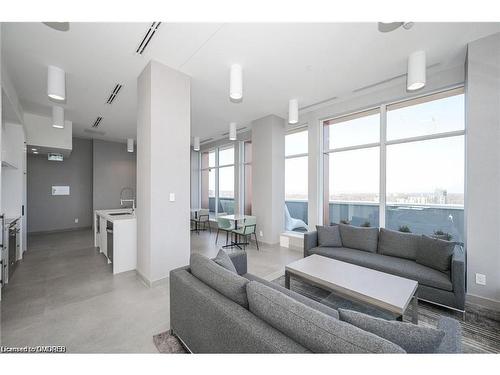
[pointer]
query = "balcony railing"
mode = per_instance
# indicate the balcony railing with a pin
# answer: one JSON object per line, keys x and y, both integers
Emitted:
{"x": 421, "y": 219}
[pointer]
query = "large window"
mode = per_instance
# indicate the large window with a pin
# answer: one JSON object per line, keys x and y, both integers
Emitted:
{"x": 296, "y": 175}
{"x": 400, "y": 165}
{"x": 352, "y": 163}
{"x": 425, "y": 165}
{"x": 217, "y": 180}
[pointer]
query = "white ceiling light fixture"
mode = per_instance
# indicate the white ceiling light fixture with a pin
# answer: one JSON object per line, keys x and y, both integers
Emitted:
{"x": 232, "y": 131}
{"x": 196, "y": 144}
{"x": 416, "y": 71}
{"x": 293, "y": 111}
{"x": 236, "y": 83}
{"x": 58, "y": 117}
{"x": 130, "y": 145}
{"x": 56, "y": 83}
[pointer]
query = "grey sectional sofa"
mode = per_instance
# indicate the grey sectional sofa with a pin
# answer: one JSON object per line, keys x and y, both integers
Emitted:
{"x": 217, "y": 310}
{"x": 395, "y": 253}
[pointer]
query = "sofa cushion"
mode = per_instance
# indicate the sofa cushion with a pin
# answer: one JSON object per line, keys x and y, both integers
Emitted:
{"x": 217, "y": 277}
{"x": 398, "y": 244}
{"x": 396, "y": 266}
{"x": 435, "y": 253}
{"x": 222, "y": 259}
{"x": 296, "y": 296}
{"x": 329, "y": 236}
{"x": 412, "y": 338}
{"x": 359, "y": 238}
{"x": 312, "y": 329}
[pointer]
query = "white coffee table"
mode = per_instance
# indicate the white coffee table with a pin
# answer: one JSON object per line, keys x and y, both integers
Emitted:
{"x": 382, "y": 290}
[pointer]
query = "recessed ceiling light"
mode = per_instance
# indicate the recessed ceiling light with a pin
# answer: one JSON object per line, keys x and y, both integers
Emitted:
{"x": 35, "y": 152}
{"x": 33, "y": 149}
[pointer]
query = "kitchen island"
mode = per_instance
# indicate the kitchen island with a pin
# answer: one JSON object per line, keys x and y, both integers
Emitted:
{"x": 115, "y": 235}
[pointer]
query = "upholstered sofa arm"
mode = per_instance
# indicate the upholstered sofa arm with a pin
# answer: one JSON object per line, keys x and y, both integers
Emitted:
{"x": 310, "y": 241}
{"x": 458, "y": 276}
{"x": 452, "y": 340}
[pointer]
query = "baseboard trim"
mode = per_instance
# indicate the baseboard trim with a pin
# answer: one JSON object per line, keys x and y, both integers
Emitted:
{"x": 483, "y": 302}
{"x": 60, "y": 230}
{"x": 151, "y": 283}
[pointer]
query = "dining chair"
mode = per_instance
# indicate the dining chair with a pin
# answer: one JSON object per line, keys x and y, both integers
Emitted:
{"x": 224, "y": 225}
{"x": 248, "y": 228}
{"x": 201, "y": 220}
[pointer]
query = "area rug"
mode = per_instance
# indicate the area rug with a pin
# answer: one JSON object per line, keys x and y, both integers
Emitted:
{"x": 167, "y": 343}
{"x": 480, "y": 331}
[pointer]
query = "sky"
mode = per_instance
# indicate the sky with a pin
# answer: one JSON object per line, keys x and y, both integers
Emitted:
{"x": 415, "y": 167}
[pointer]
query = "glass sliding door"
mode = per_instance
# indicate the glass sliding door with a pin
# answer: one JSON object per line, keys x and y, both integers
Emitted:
{"x": 247, "y": 177}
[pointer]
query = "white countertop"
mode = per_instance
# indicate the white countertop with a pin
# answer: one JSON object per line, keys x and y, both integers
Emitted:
{"x": 106, "y": 214}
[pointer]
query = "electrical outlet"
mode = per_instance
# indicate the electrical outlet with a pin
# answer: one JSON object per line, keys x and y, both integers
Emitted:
{"x": 76, "y": 220}
{"x": 480, "y": 279}
{"x": 261, "y": 234}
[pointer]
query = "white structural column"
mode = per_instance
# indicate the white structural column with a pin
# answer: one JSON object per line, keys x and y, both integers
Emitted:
{"x": 163, "y": 171}
{"x": 482, "y": 206}
{"x": 268, "y": 176}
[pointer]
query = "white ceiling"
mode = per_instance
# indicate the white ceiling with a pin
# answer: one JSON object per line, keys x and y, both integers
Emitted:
{"x": 280, "y": 61}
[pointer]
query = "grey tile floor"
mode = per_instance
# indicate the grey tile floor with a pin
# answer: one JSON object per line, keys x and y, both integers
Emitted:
{"x": 63, "y": 293}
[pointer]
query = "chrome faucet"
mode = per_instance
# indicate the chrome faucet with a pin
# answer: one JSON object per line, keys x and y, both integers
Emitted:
{"x": 127, "y": 200}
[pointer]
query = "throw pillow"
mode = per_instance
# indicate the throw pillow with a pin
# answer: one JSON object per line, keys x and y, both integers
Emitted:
{"x": 398, "y": 244}
{"x": 227, "y": 283}
{"x": 222, "y": 259}
{"x": 312, "y": 329}
{"x": 435, "y": 253}
{"x": 412, "y": 338}
{"x": 329, "y": 236}
{"x": 359, "y": 238}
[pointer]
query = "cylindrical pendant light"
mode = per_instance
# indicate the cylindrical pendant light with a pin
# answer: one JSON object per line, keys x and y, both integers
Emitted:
{"x": 236, "y": 82}
{"x": 58, "y": 117}
{"x": 130, "y": 145}
{"x": 293, "y": 111}
{"x": 416, "y": 71}
{"x": 196, "y": 144}
{"x": 232, "y": 131}
{"x": 56, "y": 83}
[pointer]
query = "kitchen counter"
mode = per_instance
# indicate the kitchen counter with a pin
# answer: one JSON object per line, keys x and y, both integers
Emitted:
{"x": 116, "y": 238}
{"x": 107, "y": 214}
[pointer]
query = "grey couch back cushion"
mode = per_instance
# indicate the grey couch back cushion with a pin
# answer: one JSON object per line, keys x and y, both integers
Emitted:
{"x": 412, "y": 338}
{"x": 435, "y": 253}
{"x": 222, "y": 259}
{"x": 360, "y": 238}
{"x": 312, "y": 329}
{"x": 226, "y": 282}
{"x": 398, "y": 244}
{"x": 329, "y": 236}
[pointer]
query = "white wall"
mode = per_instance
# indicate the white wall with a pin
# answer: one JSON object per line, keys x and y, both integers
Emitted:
{"x": 163, "y": 167}
{"x": 483, "y": 169}
{"x": 268, "y": 176}
{"x": 40, "y": 132}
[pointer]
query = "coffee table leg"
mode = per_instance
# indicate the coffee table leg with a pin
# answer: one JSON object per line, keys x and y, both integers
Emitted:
{"x": 287, "y": 279}
{"x": 414, "y": 309}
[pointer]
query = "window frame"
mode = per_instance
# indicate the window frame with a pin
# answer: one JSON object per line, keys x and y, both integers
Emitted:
{"x": 217, "y": 167}
{"x": 295, "y": 130}
{"x": 383, "y": 142}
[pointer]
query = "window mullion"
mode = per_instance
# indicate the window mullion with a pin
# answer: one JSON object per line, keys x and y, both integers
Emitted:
{"x": 383, "y": 165}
